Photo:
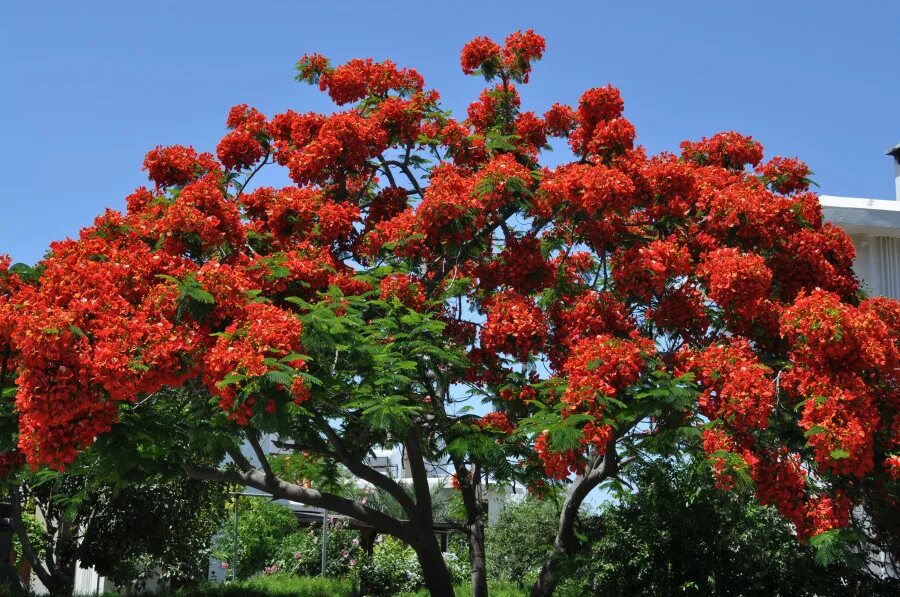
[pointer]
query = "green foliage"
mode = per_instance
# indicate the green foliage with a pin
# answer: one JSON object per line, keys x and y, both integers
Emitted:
{"x": 496, "y": 589}
{"x": 518, "y": 543}
{"x": 678, "y": 534}
{"x": 269, "y": 536}
{"x": 193, "y": 300}
{"x": 35, "y": 531}
{"x": 163, "y": 529}
{"x": 301, "y": 552}
{"x": 393, "y": 568}
{"x": 262, "y": 527}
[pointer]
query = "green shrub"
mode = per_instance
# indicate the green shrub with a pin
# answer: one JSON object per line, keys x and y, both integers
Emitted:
{"x": 301, "y": 552}
{"x": 680, "y": 535}
{"x": 270, "y": 540}
{"x": 518, "y": 543}
{"x": 496, "y": 588}
{"x": 262, "y": 527}
{"x": 393, "y": 568}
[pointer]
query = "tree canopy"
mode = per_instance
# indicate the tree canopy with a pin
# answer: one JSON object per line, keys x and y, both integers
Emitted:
{"x": 615, "y": 304}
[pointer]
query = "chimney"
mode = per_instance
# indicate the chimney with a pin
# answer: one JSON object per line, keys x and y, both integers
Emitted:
{"x": 894, "y": 152}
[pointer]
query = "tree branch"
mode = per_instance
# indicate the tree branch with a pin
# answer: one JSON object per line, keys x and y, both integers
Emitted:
{"x": 27, "y": 549}
{"x": 417, "y": 468}
{"x": 239, "y": 459}
{"x": 365, "y": 472}
{"x": 311, "y": 497}
{"x": 264, "y": 161}
{"x": 409, "y": 175}
{"x": 261, "y": 455}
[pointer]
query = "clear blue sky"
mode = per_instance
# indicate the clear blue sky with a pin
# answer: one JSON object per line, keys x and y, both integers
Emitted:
{"x": 89, "y": 87}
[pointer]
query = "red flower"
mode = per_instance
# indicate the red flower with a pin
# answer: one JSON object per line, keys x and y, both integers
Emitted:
{"x": 405, "y": 288}
{"x": 477, "y": 52}
{"x": 514, "y": 326}
{"x": 177, "y": 165}
{"x": 728, "y": 150}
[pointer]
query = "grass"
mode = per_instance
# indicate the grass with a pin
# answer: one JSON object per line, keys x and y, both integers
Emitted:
{"x": 276, "y": 585}
{"x": 497, "y": 589}
{"x": 288, "y": 585}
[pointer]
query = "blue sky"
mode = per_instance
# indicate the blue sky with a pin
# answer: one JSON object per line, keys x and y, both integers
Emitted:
{"x": 88, "y": 88}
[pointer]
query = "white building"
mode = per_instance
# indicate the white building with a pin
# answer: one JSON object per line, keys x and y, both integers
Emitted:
{"x": 874, "y": 228}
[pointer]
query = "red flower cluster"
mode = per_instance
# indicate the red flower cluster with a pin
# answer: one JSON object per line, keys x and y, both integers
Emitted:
{"x": 785, "y": 175}
{"x": 644, "y": 271}
{"x": 357, "y": 79}
{"x": 736, "y": 386}
{"x": 735, "y": 279}
{"x": 477, "y": 52}
{"x": 780, "y": 481}
{"x": 516, "y": 57}
{"x": 200, "y": 220}
{"x": 520, "y": 265}
{"x": 177, "y": 165}
{"x": 405, "y": 288}
{"x": 514, "y": 326}
{"x": 265, "y": 332}
{"x": 497, "y": 421}
{"x": 558, "y": 465}
{"x": 835, "y": 349}
{"x": 728, "y": 150}
{"x": 242, "y": 147}
{"x": 601, "y": 367}
{"x": 587, "y": 191}
{"x": 598, "y": 109}
{"x": 342, "y": 144}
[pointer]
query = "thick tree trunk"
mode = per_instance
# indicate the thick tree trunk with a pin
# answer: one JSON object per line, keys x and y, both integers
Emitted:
{"x": 477, "y": 558}
{"x": 434, "y": 569}
{"x": 566, "y": 543}
{"x": 472, "y": 491}
{"x": 66, "y": 559}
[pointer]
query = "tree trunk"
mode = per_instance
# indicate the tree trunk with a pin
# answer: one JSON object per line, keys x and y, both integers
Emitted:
{"x": 66, "y": 559}
{"x": 477, "y": 558}
{"x": 434, "y": 568}
{"x": 566, "y": 543}
{"x": 473, "y": 499}
{"x": 418, "y": 532}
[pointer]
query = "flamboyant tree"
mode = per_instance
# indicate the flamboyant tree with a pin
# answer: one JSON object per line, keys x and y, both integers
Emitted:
{"x": 603, "y": 307}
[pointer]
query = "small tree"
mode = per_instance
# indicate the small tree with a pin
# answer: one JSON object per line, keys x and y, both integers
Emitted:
{"x": 162, "y": 530}
{"x": 157, "y": 528}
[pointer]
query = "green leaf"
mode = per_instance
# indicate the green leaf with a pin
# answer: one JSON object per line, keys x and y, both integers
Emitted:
{"x": 230, "y": 379}
{"x": 280, "y": 377}
{"x": 200, "y": 295}
{"x": 814, "y": 430}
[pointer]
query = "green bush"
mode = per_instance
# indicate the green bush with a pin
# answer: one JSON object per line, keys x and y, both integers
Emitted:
{"x": 301, "y": 552}
{"x": 518, "y": 543}
{"x": 262, "y": 527}
{"x": 496, "y": 589}
{"x": 270, "y": 540}
{"x": 679, "y": 534}
{"x": 393, "y": 568}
